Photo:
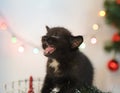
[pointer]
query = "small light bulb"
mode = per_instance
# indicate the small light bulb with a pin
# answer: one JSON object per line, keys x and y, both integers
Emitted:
{"x": 93, "y": 40}
{"x": 95, "y": 27}
{"x": 3, "y": 26}
{"x": 83, "y": 45}
{"x": 102, "y": 13}
{"x": 21, "y": 49}
{"x": 35, "y": 50}
{"x": 14, "y": 39}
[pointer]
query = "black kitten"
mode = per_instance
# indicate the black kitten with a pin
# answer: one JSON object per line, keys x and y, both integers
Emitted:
{"x": 67, "y": 68}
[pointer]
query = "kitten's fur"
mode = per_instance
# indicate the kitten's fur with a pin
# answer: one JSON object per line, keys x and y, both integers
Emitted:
{"x": 67, "y": 68}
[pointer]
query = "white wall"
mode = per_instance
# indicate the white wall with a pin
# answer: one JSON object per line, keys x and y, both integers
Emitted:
{"x": 27, "y": 19}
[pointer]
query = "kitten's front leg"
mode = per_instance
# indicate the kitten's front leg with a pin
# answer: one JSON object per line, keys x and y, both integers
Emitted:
{"x": 47, "y": 86}
{"x": 68, "y": 87}
{"x": 67, "y": 90}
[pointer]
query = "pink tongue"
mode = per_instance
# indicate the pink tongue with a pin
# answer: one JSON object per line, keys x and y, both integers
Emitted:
{"x": 49, "y": 50}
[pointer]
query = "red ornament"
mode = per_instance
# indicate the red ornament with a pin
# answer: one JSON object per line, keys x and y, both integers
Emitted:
{"x": 118, "y": 1}
{"x": 113, "y": 65}
{"x": 116, "y": 37}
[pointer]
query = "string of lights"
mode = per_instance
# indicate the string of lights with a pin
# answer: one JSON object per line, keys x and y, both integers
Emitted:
{"x": 36, "y": 49}
{"x": 15, "y": 38}
{"x": 95, "y": 27}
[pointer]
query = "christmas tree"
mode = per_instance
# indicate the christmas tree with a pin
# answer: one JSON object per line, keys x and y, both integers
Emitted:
{"x": 112, "y": 9}
{"x": 112, "y": 18}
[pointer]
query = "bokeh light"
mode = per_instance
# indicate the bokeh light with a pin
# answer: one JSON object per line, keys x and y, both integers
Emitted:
{"x": 95, "y": 27}
{"x": 83, "y": 45}
{"x": 102, "y": 13}
{"x": 3, "y": 26}
{"x": 21, "y": 49}
{"x": 14, "y": 39}
{"x": 35, "y": 50}
{"x": 93, "y": 40}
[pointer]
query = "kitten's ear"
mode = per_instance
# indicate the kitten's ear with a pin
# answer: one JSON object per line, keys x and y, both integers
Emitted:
{"x": 47, "y": 28}
{"x": 76, "y": 41}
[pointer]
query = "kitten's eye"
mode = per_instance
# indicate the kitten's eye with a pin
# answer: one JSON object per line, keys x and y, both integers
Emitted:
{"x": 44, "y": 38}
{"x": 50, "y": 40}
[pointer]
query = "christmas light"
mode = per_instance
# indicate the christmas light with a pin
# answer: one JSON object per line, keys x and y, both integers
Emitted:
{"x": 95, "y": 27}
{"x": 82, "y": 46}
{"x": 35, "y": 50}
{"x": 14, "y": 39}
{"x": 93, "y": 40}
{"x": 21, "y": 49}
{"x": 3, "y": 26}
{"x": 102, "y": 13}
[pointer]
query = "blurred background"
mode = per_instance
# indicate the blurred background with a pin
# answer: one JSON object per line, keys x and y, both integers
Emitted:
{"x": 22, "y": 24}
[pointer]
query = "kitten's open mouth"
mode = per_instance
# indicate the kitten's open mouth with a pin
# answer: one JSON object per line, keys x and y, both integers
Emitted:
{"x": 49, "y": 50}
